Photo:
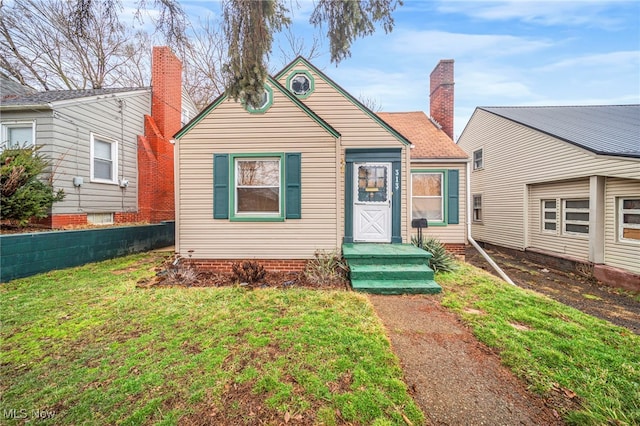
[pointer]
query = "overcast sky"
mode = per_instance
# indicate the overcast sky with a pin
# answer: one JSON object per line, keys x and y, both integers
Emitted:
{"x": 511, "y": 52}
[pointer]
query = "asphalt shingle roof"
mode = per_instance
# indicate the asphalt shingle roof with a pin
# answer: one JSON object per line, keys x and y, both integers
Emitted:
{"x": 43, "y": 98}
{"x": 429, "y": 140}
{"x": 601, "y": 129}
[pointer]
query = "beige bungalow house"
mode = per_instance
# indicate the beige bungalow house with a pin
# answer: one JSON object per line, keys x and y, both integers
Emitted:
{"x": 311, "y": 169}
{"x": 561, "y": 181}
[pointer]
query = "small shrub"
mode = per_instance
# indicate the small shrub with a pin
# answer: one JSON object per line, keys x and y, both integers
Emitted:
{"x": 326, "y": 268}
{"x": 248, "y": 271}
{"x": 23, "y": 194}
{"x": 441, "y": 260}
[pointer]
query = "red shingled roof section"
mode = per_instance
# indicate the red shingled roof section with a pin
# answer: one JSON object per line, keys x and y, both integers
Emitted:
{"x": 429, "y": 141}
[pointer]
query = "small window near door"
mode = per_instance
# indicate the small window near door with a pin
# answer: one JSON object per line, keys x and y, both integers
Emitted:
{"x": 549, "y": 216}
{"x": 576, "y": 217}
{"x": 477, "y": 208}
{"x": 629, "y": 219}
{"x": 427, "y": 199}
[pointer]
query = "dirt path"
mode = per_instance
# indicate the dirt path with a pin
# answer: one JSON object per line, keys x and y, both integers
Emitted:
{"x": 570, "y": 288}
{"x": 455, "y": 379}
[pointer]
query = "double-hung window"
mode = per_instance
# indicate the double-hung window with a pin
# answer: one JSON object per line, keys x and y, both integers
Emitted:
{"x": 549, "y": 216}
{"x": 478, "y": 162}
{"x": 18, "y": 134}
{"x": 576, "y": 217}
{"x": 427, "y": 201}
{"x": 257, "y": 184}
{"x": 477, "y": 207}
{"x": 629, "y": 219}
{"x": 104, "y": 159}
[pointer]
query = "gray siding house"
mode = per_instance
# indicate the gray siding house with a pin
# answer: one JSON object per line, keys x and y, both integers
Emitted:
{"x": 106, "y": 145}
{"x": 562, "y": 181}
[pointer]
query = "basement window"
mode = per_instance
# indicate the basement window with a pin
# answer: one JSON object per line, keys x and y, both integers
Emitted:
{"x": 100, "y": 218}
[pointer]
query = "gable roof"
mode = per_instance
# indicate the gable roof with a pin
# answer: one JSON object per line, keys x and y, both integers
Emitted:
{"x": 275, "y": 84}
{"x": 346, "y": 94}
{"x": 44, "y": 98}
{"x": 602, "y": 129}
{"x": 429, "y": 140}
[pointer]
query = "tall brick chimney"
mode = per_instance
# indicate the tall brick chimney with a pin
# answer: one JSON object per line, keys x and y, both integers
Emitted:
{"x": 441, "y": 95}
{"x": 155, "y": 150}
{"x": 166, "y": 94}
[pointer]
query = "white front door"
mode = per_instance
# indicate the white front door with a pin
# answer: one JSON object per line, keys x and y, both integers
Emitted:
{"x": 372, "y": 202}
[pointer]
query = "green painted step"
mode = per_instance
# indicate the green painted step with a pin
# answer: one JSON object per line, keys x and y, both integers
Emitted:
{"x": 393, "y": 272}
{"x": 396, "y": 286}
{"x": 389, "y": 268}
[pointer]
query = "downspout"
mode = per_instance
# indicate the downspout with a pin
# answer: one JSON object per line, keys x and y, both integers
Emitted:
{"x": 484, "y": 254}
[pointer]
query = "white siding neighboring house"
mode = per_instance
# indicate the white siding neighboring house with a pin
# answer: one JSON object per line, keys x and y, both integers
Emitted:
{"x": 563, "y": 181}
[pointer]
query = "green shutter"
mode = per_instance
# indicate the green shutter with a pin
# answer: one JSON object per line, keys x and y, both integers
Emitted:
{"x": 220, "y": 186}
{"x": 453, "y": 197}
{"x": 293, "y": 175}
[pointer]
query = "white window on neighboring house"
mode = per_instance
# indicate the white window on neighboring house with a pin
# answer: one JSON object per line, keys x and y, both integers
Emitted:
{"x": 549, "y": 216}
{"x": 629, "y": 219}
{"x": 185, "y": 117}
{"x": 18, "y": 134}
{"x": 104, "y": 159}
{"x": 478, "y": 162}
{"x": 477, "y": 207}
{"x": 576, "y": 217}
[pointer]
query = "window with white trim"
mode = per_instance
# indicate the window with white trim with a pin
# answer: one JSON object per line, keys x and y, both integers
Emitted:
{"x": 576, "y": 217}
{"x": 629, "y": 219}
{"x": 549, "y": 216}
{"x": 18, "y": 134}
{"x": 477, "y": 208}
{"x": 104, "y": 159}
{"x": 427, "y": 200}
{"x": 257, "y": 186}
{"x": 478, "y": 162}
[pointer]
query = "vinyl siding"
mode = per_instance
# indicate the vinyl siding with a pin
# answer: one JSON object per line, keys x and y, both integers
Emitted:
{"x": 72, "y": 126}
{"x": 452, "y": 234}
{"x": 569, "y": 245}
{"x": 620, "y": 254}
{"x": 516, "y": 156}
{"x": 357, "y": 129}
{"x": 229, "y": 129}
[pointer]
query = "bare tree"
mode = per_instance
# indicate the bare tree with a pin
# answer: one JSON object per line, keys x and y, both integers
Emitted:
{"x": 40, "y": 48}
{"x": 249, "y": 26}
{"x": 203, "y": 58}
{"x": 371, "y": 103}
{"x": 294, "y": 46}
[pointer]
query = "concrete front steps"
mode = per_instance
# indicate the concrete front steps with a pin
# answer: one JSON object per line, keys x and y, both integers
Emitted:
{"x": 389, "y": 268}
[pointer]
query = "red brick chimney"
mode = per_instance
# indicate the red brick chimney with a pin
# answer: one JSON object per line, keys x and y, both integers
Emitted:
{"x": 166, "y": 95}
{"x": 155, "y": 150}
{"x": 441, "y": 96}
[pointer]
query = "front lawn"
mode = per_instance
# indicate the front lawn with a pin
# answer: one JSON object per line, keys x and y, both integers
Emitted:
{"x": 556, "y": 349}
{"x": 84, "y": 345}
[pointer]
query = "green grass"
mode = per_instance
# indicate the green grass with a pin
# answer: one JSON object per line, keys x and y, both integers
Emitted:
{"x": 558, "y": 347}
{"x": 88, "y": 345}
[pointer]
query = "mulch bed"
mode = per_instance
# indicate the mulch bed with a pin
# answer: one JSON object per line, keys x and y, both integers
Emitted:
{"x": 185, "y": 275}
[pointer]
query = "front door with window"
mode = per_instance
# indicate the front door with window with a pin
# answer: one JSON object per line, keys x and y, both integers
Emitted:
{"x": 372, "y": 202}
